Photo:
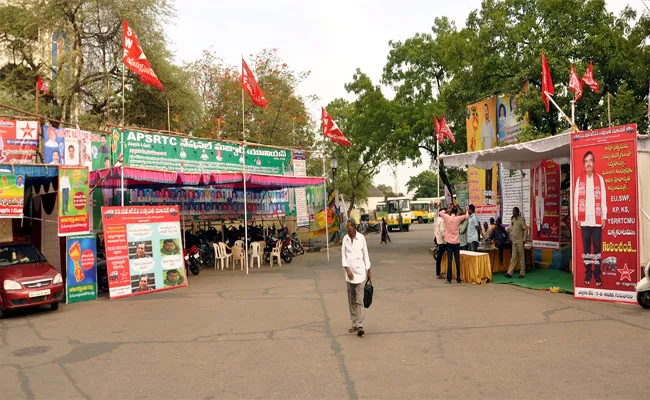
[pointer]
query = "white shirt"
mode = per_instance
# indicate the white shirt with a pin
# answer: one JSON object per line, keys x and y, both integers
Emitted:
{"x": 355, "y": 256}
{"x": 64, "y": 182}
{"x": 590, "y": 202}
{"x": 487, "y": 134}
{"x": 439, "y": 230}
{"x": 540, "y": 177}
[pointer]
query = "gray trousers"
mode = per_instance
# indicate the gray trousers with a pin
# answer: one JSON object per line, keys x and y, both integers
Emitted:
{"x": 355, "y": 301}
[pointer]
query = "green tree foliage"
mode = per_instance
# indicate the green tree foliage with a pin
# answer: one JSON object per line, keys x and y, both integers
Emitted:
{"x": 423, "y": 184}
{"x": 386, "y": 190}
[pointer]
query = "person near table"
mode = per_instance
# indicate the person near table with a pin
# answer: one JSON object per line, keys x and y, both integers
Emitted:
{"x": 385, "y": 238}
{"x": 473, "y": 229}
{"x": 493, "y": 225}
{"x": 499, "y": 237}
{"x": 356, "y": 263}
{"x": 463, "y": 233}
{"x": 518, "y": 234}
{"x": 452, "y": 237}
{"x": 439, "y": 240}
{"x": 485, "y": 232}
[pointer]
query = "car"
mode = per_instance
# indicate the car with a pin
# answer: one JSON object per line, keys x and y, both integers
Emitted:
{"x": 27, "y": 279}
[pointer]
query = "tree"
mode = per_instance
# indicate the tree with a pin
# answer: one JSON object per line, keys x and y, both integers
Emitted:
{"x": 386, "y": 190}
{"x": 424, "y": 184}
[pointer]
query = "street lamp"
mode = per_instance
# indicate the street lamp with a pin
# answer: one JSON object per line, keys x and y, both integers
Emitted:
{"x": 334, "y": 164}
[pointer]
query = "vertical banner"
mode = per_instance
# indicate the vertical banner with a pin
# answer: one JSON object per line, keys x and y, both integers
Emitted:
{"x": 12, "y": 195}
{"x": 73, "y": 200}
{"x": 605, "y": 214}
{"x": 81, "y": 265}
{"x": 462, "y": 195}
{"x": 300, "y": 169}
{"x": 481, "y": 128}
{"x": 18, "y": 141}
{"x": 144, "y": 250}
{"x": 545, "y": 189}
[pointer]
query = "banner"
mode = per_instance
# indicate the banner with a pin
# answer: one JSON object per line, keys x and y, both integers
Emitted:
{"x": 509, "y": 127}
{"x": 73, "y": 200}
{"x": 174, "y": 153}
{"x": 76, "y": 147}
{"x": 545, "y": 187}
{"x": 515, "y": 192}
{"x": 331, "y": 217}
{"x": 144, "y": 250}
{"x": 605, "y": 214}
{"x": 18, "y": 141}
{"x": 462, "y": 195}
{"x": 81, "y": 266}
{"x": 12, "y": 195}
{"x": 481, "y": 128}
{"x": 300, "y": 169}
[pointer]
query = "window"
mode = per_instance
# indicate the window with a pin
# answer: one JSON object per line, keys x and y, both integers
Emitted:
{"x": 19, "y": 254}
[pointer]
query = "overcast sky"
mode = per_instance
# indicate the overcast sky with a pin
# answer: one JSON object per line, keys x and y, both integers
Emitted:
{"x": 329, "y": 38}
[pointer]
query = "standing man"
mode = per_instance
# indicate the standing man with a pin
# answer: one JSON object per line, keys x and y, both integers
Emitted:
{"x": 65, "y": 192}
{"x": 439, "y": 240}
{"x": 590, "y": 213}
{"x": 356, "y": 264}
{"x": 539, "y": 189}
{"x": 473, "y": 229}
{"x": 518, "y": 231}
{"x": 452, "y": 237}
{"x": 488, "y": 137}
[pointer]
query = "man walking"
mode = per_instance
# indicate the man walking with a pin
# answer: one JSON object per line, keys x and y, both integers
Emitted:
{"x": 356, "y": 264}
{"x": 590, "y": 214}
{"x": 473, "y": 229}
{"x": 452, "y": 237}
{"x": 439, "y": 240}
{"x": 518, "y": 231}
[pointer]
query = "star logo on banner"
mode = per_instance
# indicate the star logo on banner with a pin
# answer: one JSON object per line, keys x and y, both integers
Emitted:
{"x": 626, "y": 273}
{"x": 27, "y": 132}
{"x": 553, "y": 229}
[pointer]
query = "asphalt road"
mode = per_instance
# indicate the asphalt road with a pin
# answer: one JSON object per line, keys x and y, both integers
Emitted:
{"x": 282, "y": 333}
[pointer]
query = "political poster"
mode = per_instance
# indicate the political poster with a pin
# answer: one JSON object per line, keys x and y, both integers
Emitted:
{"x": 81, "y": 265}
{"x": 515, "y": 192}
{"x": 76, "y": 147}
{"x": 12, "y": 195}
{"x": 18, "y": 141}
{"x": 462, "y": 195}
{"x": 144, "y": 250}
{"x": 545, "y": 188}
{"x": 481, "y": 126}
{"x": 300, "y": 169}
{"x": 175, "y": 153}
{"x": 605, "y": 214}
{"x": 508, "y": 120}
{"x": 73, "y": 200}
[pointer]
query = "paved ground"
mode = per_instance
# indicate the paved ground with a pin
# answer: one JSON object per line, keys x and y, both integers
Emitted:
{"x": 282, "y": 333}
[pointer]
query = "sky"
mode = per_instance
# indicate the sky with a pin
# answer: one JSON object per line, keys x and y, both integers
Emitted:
{"x": 331, "y": 39}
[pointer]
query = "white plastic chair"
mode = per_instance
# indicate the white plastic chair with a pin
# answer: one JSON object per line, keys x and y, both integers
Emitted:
{"x": 239, "y": 243}
{"x": 223, "y": 254}
{"x": 238, "y": 255}
{"x": 277, "y": 253}
{"x": 255, "y": 253}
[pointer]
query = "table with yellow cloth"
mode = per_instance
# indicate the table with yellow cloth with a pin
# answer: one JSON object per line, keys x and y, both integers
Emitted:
{"x": 475, "y": 267}
{"x": 498, "y": 266}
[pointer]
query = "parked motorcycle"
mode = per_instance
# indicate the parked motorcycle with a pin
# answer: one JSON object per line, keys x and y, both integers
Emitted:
{"x": 642, "y": 288}
{"x": 192, "y": 260}
{"x": 296, "y": 245}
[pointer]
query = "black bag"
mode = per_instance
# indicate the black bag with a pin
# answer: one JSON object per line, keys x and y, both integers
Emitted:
{"x": 367, "y": 294}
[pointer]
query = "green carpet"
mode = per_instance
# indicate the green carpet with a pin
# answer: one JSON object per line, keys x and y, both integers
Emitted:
{"x": 539, "y": 279}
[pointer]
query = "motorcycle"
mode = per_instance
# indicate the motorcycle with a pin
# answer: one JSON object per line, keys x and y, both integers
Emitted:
{"x": 192, "y": 259}
{"x": 296, "y": 245}
{"x": 287, "y": 250}
{"x": 642, "y": 288}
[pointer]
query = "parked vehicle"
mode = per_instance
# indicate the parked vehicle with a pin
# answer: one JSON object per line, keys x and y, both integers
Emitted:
{"x": 642, "y": 288}
{"x": 192, "y": 259}
{"x": 296, "y": 245}
{"x": 27, "y": 279}
{"x": 397, "y": 212}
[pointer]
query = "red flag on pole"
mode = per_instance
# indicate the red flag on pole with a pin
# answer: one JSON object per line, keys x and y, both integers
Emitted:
{"x": 134, "y": 58}
{"x": 547, "y": 82}
{"x": 249, "y": 83}
{"x": 42, "y": 86}
{"x": 445, "y": 131}
{"x": 332, "y": 131}
{"x": 588, "y": 78}
{"x": 439, "y": 137}
{"x": 575, "y": 84}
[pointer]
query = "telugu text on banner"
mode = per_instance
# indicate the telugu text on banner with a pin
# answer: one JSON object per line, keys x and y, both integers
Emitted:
{"x": 545, "y": 189}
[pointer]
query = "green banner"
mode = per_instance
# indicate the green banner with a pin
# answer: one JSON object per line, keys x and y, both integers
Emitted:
{"x": 174, "y": 153}
{"x": 462, "y": 195}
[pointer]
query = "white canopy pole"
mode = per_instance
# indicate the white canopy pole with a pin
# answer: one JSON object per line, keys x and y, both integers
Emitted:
{"x": 327, "y": 234}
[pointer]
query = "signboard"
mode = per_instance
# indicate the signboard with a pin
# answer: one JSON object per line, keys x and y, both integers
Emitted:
{"x": 545, "y": 187}
{"x": 144, "y": 250}
{"x": 12, "y": 195}
{"x": 76, "y": 147}
{"x": 605, "y": 214}
{"x": 481, "y": 128}
{"x": 175, "y": 153}
{"x": 81, "y": 265}
{"x": 18, "y": 141}
{"x": 300, "y": 169}
{"x": 73, "y": 200}
{"x": 462, "y": 195}
{"x": 509, "y": 126}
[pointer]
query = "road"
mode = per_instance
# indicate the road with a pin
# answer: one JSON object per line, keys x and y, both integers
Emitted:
{"x": 282, "y": 333}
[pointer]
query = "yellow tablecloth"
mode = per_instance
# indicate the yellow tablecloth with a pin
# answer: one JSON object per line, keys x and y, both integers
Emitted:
{"x": 475, "y": 267}
{"x": 498, "y": 266}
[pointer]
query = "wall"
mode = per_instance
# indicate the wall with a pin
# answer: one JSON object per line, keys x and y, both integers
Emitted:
{"x": 50, "y": 245}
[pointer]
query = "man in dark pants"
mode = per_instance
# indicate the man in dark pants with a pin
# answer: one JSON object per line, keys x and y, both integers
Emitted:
{"x": 452, "y": 236}
{"x": 439, "y": 240}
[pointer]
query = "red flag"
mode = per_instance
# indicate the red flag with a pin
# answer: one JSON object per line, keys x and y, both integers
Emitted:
{"x": 332, "y": 131}
{"x": 575, "y": 83}
{"x": 134, "y": 58}
{"x": 249, "y": 83}
{"x": 437, "y": 126}
{"x": 445, "y": 131}
{"x": 42, "y": 86}
{"x": 547, "y": 82}
{"x": 588, "y": 78}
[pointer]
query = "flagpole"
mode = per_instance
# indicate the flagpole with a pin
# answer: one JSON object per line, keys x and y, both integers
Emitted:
{"x": 573, "y": 125}
{"x": 108, "y": 97}
{"x": 327, "y": 233}
{"x": 573, "y": 108}
{"x": 437, "y": 158}
{"x": 243, "y": 132}
{"x": 37, "y": 95}
{"x": 169, "y": 124}
{"x": 123, "y": 84}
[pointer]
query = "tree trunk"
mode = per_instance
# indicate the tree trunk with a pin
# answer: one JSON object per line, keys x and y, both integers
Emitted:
{"x": 352, "y": 199}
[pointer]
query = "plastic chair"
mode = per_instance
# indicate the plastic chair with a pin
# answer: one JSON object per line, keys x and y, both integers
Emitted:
{"x": 255, "y": 253}
{"x": 224, "y": 254}
{"x": 277, "y": 253}
{"x": 218, "y": 256}
{"x": 239, "y": 243}
{"x": 238, "y": 255}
